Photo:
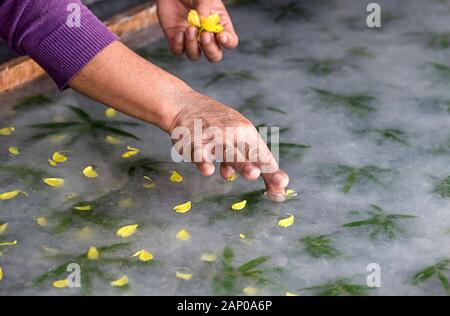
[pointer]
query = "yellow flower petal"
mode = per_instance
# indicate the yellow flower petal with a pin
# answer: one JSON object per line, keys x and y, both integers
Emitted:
{"x": 6, "y": 131}
{"x": 1, "y": 273}
{"x": 11, "y": 195}
{"x": 89, "y": 172}
{"x": 14, "y": 151}
{"x": 208, "y": 257}
{"x": 239, "y": 205}
{"x": 9, "y": 243}
{"x": 183, "y": 235}
{"x": 52, "y": 163}
{"x": 233, "y": 177}
{"x": 83, "y": 208}
{"x": 3, "y": 228}
{"x": 194, "y": 19}
{"x": 286, "y": 222}
{"x": 183, "y": 276}
{"x": 54, "y": 182}
{"x": 212, "y": 23}
{"x": 42, "y": 221}
{"x": 110, "y": 112}
{"x": 148, "y": 183}
{"x": 242, "y": 236}
{"x": 70, "y": 196}
{"x": 175, "y": 177}
{"x": 59, "y": 157}
{"x": 113, "y": 140}
{"x": 291, "y": 294}
{"x": 144, "y": 255}
{"x": 131, "y": 152}
{"x": 250, "y": 291}
{"x": 290, "y": 193}
{"x": 120, "y": 282}
{"x": 61, "y": 284}
{"x": 127, "y": 231}
{"x": 183, "y": 208}
{"x": 93, "y": 253}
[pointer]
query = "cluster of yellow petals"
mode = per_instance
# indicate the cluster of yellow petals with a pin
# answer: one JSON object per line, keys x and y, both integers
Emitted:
{"x": 208, "y": 24}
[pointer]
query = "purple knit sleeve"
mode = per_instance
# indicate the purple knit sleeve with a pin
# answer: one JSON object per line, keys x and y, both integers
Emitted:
{"x": 48, "y": 31}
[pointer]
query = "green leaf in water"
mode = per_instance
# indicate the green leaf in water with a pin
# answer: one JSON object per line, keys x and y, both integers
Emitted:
{"x": 322, "y": 67}
{"x": 318, "y": 246}
{"x": 443, "y": 188}
{"x": 291, "y": 10}
{"x": 382, "y": 223}
{"x": 263, "y": 47}
{"x": 340, "y": 287}
{"x": 31, "y": 102}
{"x": 354, "y": 175}
{"x": 230, "y": 76}
{"x": 438, "y": 270}
{"x": 356, "y": 103}
{"x": 387, "y": 134}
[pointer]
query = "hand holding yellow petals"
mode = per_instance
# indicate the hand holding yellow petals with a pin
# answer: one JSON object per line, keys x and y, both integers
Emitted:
{"x": 183, "y": 276}
{"x": 250, "y": 291}
{"x": 93, "y": 253}
{"x": 183, "y": 235}
{"x": 61, "y": 284}
{"x": 239, "y": 205}
{"x": 89, "y": 172}
{"x": 6, "y": 131}
{"x": 11, "y": 195}
{"x": 144, "y": 255}
{"x": 194, "y": 19}
{"x": 131, "y": 152}
{"x": 110, "y": 112}
{"x": 54, "y": 182}
{"x": 120, "y": 282}
{"x": 127, "y": 231}
{"x": 42, "y": 221}
{"x": 286, "y": 222}
{"x": 59, "y": 157}
{"x": 3, "y": 228}
{"x": 14, "y": 151}
{"x": 175, "y": 177}
{"x": 183, "y": 208}
{"x": 208, "y": 257}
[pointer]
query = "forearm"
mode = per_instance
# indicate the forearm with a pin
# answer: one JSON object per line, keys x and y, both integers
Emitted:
{"x": 123, "y": 80}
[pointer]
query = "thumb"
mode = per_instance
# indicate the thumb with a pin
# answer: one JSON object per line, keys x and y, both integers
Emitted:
{"x": 204, "y": 7}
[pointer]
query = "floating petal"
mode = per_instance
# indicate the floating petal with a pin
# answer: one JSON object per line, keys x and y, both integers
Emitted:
{"x": 54, "y": 182}
{"x": 234, "y": 176}
{"x": 175, "y": 177}
{"x": 144, "y": 255}
{"x": 59, "y": 157}
{"x": 89, "y": 172}
{"x": 250, "y": 291}
{"x": 1, "y": 273}
{"x": 148, "y": 183}
{"x": 286, "y": 222}
{"x": 290, "y": 193}
{"x": 83, "y": 208}
{"x": 183, "y": 208}
{"x": 183, "y": 235}
{"x": 110, "y": 112}
{"x": 52, "y": 163}
{"x": 239, "y": 205}
{"x": 9, "y": 243}
{"x": 208, "y": 257}
{"x": 131, "y": 152}
{"x": 42, "y": 221}
{"x": 3, "y": 228}
{"x": 14, "y": 151}
{"x": 61, "y": 284}
{"x": 6, "y": 131}
{"x": 93, "y": 253}
{"x": 127, "y": 231}
{"x": 11, "y": 195}
{"x": 183, "y": 276}
{"x": 120, "y": 282}
{"x": 113, "y": 140}
{"x": 242, "y": 236}
{"x": 291, "y": 294}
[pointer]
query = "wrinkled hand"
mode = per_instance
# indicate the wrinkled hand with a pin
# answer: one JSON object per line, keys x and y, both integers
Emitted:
{"x": 251, "y": 157}
{"x": 183, "y": 38}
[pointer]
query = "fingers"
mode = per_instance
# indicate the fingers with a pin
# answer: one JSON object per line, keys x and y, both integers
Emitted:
{"x": 226, "y": 171}
{"x": 276, "y": 184}
{"x": 206, "y": 169}
{"x": 227, "y": 39}
{"x": 210, "y": 48}
{"x": 191, "y": 43}
{"x": 177, "y": 44}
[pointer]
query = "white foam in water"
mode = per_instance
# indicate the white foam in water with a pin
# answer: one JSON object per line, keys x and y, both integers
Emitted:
{"x": 393, "y": 65}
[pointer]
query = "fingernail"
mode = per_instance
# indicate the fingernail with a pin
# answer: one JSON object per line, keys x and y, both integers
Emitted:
{"x": 207, "y": 38}
{"x": 224, "y": 39}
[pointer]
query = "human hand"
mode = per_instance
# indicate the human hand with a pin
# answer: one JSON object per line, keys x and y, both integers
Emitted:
{"x": 205, "y": 131}
{"x": 183, "y": 38}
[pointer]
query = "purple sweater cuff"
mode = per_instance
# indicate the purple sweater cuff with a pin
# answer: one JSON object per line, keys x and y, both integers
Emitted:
{"x": 67, "y": 50}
